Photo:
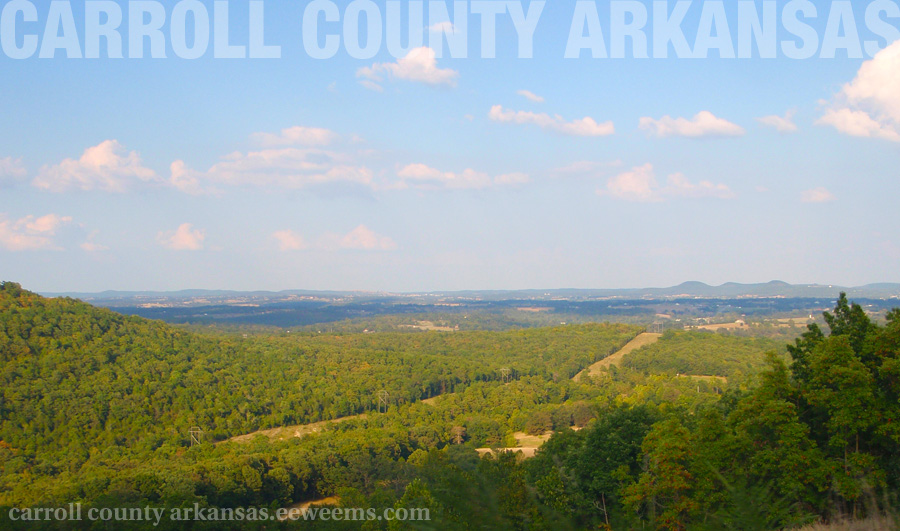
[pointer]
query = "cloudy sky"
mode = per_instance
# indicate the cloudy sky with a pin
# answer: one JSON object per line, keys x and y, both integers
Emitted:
{"x": 427, "y": 173}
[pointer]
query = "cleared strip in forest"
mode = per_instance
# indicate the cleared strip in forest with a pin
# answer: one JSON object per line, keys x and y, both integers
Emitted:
{"x": 286, "y": 432}
{"x": 298, "y": 508}
{"x": 641, "y": 340}
{"x": 705, "y": 378}
{"x": 299, "y": 430}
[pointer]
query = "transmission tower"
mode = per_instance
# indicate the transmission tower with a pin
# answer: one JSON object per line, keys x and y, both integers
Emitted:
{"x": 195, "y": 432}
{"x": 383, "y": 400}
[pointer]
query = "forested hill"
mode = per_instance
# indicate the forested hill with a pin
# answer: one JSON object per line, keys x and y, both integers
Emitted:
{"x": 78, "y": 380}
{"x": 96, "y": 408}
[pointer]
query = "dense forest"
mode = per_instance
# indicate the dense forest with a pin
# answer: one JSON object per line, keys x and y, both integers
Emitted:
{"x": 697, "y": 431}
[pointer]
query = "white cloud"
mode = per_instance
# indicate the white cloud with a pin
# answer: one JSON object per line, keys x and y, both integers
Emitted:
{"x": 184, "y": 238}
{"x": 869, "y": 106}
{"x": 858, "y": 123}
{"x": 11, "y": 170}
{"x": 289, "y": 240}
{"x": 586, "y": 126}
{"x": 30, "y": 233}
{"x": 817, "y": 195}
{"x": 421, "y": 175}
{"x": 297, "y": 135}
{"x": 419, "y": 65}
{"x": 783, "y": 124}
{"x": 640, "y": 184}
{"x": 527, "y": 94}
{"x": 703, "y": 124}
{"x": 363, "y": 238}
{"x": 106, "y": 166}
{"x": 187, "y": 180}
{"x": 291, "y": 159}
{"x": 282, "y": 168}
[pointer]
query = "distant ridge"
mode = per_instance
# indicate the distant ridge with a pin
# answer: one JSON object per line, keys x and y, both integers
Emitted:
{"x": 694, "y": 289}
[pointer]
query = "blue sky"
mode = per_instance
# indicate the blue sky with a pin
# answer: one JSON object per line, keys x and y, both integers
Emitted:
{"x": 420, "y": 173}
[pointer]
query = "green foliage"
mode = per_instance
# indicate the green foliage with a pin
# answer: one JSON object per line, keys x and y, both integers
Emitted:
{"x": 96, "y": 407}
{"x": 702, "y": 354}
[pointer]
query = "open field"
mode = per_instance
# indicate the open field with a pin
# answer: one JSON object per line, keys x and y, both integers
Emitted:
{"x": 737, "y": 325}
{"x": 795, "y": 321}
{"x": 721, "y": 379}
{"x": 430, "y": 326}
{"x": 640, "y": 341}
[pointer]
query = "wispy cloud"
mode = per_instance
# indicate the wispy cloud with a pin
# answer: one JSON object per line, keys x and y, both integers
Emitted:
{"x": 703, "y": 124}
{"x": 817, "y": 195}
{"x": 91, "y": 246}
{"x": 442, "y": 27}
{"x": 371, "y": 85}
{"x": 782, "y": 124}
{"x": 586, "y": 126}
{"x": 679, "y": 186}
{"x": 585, "y": 168}
{"x": 288, "y": 240}
{"x": 11, "y": 170}
{"x": 421, "y": 175}
{"x": 292, "y": 168}
{"x": 362, "y": 238}
{"x": 869, "y": 106}
{"x": 31, "y": 233}
{"x": 640, "y": 184}
{"x": 184, "y": 238}
{"x": 419, "y": 65}
{"x": 527, "y": 94}
{"x": 297, "y": 136}
{"x": 106, "y": 166}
